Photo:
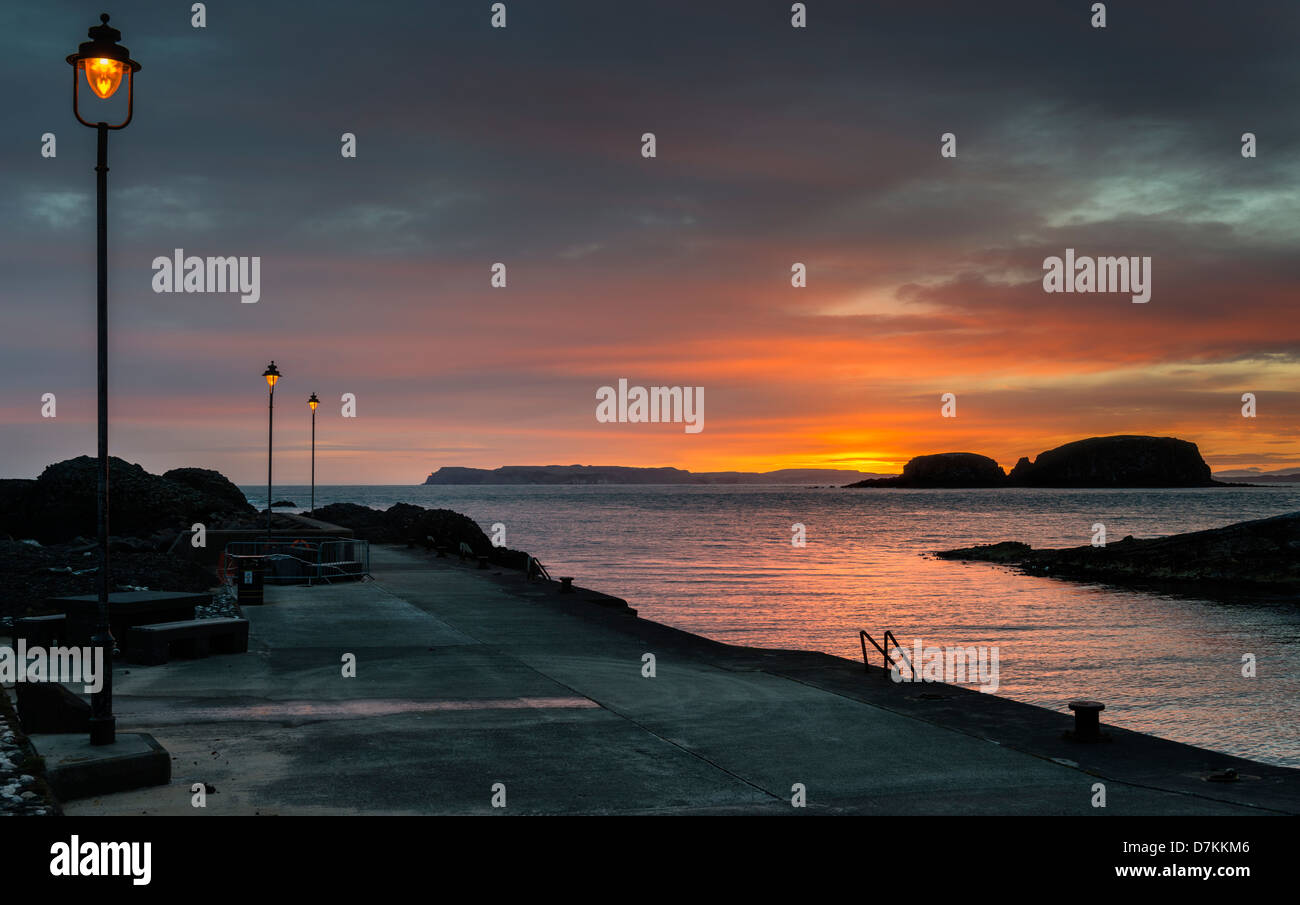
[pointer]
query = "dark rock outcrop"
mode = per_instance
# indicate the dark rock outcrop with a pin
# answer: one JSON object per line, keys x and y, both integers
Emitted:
{"x": 1121, "y": 461}
{"x": 29, "y": 574}
{"x": 214, "y": 486}
{"x": 1008, "y": 552}
{"x": 366, "y": 523}
{"x": 954, "y": 469}
{"x": 404, "y": 523}
{"x": 60, "y": 504}
{"x": 15, "y": 503}
{"x": 1261, "y": 555}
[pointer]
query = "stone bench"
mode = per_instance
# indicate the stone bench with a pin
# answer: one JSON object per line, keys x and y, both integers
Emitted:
{"x": 126, "y": 609}
{"x": 152, "y": 645}
{"x": 41, "y": 631}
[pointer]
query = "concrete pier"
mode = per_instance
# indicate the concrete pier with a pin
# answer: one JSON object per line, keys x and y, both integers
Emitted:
{"x": 466, "y": 679}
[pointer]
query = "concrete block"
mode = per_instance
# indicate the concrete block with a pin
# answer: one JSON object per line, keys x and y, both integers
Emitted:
{"x": 74, "y": 768}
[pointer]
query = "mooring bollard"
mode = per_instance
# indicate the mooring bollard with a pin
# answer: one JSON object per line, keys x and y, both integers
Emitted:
{"x": 566, "y": 584}
{"x": 1087, "y": 720}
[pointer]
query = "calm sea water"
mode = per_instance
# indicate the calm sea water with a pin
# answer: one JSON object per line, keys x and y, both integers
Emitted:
{"x": 719, "y": 561}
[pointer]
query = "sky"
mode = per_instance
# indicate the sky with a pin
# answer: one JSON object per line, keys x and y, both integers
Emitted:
{"x": 774, "y": 145}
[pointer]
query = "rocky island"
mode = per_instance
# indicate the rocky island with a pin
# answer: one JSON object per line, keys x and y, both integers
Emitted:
{"x": 1123, "y": 461}
{"x": 1119, "y": 461}
{"x": 954, "y": 469}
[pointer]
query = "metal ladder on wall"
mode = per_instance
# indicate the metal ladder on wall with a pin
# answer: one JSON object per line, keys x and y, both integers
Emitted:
{"x": 888, "y": 638}
{"x": 535, "y": 569}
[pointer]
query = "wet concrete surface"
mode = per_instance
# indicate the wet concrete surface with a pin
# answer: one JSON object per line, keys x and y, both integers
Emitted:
{"x": 466, "y": 679}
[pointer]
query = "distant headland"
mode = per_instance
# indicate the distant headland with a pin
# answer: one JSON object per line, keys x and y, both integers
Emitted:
{"x": 617, "y": 474}
{"x": 1123, "y": 461}
{"x": 1120, "y": 461}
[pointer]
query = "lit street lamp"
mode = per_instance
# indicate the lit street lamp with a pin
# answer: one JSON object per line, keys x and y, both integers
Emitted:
{"x": 271, "y": 375}
{"x": 313, "y": 402}
{"x": 104, "y": 62}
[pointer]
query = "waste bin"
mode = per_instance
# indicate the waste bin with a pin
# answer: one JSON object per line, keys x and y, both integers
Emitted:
{"x": 251, "y": 578}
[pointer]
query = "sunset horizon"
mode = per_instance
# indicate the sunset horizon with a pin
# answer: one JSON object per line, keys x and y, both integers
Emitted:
{"x": 474, "y": 273}
{"x": 336, "y": 466}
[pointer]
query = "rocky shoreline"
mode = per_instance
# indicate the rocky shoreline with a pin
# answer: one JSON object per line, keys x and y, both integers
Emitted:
{"x": 1261, "y": 556}
{"x": 23, "y": 791}
{"x": 48, "y": 525}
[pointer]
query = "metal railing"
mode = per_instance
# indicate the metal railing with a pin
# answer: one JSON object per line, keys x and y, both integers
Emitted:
{"x": 535, "y": 569}
{"x": 297, "y": 560}
{"x": 888, "y": 638}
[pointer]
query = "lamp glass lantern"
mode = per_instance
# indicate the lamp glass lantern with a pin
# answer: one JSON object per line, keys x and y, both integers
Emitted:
{"x": 104, "y": 64}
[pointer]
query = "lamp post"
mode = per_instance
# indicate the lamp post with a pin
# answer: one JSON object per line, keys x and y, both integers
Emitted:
{"x": 104, "y": 62}
{"x": 313, "y": 402}
{"x": 272, "y": 375}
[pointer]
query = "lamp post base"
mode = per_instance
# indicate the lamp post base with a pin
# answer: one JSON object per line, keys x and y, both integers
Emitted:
{"x": 103, "y": 730}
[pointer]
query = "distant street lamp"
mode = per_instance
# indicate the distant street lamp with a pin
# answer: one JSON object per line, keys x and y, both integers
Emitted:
{"x": 313, "y": 402}
{"x": 104, "y": 62}
{"x": 272, "y": 375}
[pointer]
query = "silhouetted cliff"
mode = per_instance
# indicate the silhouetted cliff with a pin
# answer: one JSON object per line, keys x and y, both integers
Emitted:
{"x": 955, "y": 469}
{"x": 1122, "y": 461}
